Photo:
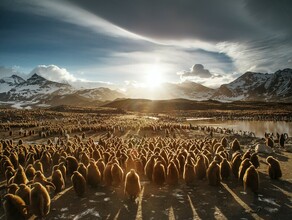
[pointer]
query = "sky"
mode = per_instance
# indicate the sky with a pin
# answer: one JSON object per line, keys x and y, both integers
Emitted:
{"x": 145, "y": 42}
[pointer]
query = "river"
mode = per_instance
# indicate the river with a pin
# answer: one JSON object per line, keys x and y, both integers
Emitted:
{"x": 258, "y": 127}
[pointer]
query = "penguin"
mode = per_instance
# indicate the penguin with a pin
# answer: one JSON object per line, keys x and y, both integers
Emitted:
{"x": 224, "y": 142}
{"x": 82, "y": 169}
{"x": 158, "y": 175}
{"x": 12, "y": 188}
{"x": 58, "y": 181}
{"x": 200, "y": 168}
{"x": 235, "y": 165}
{"x": 40, "y": 178}
{"x": 149, "y": 167}
{"x": 30, "y": 171}
{"x": 213, "y": 174}
{"x": 225, "y": 169}
{"x": 20, "y": 176}
{"x": 117, "y": 174}
{"x": 93, "y": 175}
{"x": 282, "y": 140}
{"x": 274, "y": 168}
{"x": 38, "y": 166}
{"x": 172, "y": 174}
{"x": 251, "y": 179}
{"x": 235, "y": 146}
{"x": 72, "y": 165}
{"x": 63, "y": 169}
{"x": 189, "y": 174}
{"x": 79, "y": 183}
{"x": 24, "y": 192}
{"x": 14, "y": 207}
{"x": 132, "y": 184}
{"x": 40, "y": 201}
{"x": 107, "y": 174}
{"x": 245, "y": 164}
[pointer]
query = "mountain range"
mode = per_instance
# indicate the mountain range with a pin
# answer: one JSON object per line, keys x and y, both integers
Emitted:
{"x": 251, "y": 86}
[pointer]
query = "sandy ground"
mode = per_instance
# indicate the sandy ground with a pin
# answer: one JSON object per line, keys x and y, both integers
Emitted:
{"x": 228, "y": 201}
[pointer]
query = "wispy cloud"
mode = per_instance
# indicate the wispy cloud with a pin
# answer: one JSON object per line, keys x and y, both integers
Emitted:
{"x": 265, "y": 56}
{"x": 70, "y": 13}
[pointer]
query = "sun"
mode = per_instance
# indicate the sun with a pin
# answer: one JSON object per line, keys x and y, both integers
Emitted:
{"x": 154, "y": 76}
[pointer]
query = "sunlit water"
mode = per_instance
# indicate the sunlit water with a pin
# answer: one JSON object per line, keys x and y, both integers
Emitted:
{"x": 258, "y": 127}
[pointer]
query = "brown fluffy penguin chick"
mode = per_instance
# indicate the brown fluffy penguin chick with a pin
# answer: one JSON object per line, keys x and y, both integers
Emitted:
{"x": 254, "y": 159}
{"x": 172, "y": 174}
{"x": 251, "y": 179}
{"x": 274, "y": 168}
{"x": 149, "y": 168}
{"x": 117, "y": 174}
{"x": 235, "y": 165}
{"x": 82, "y": 169}
{"x": 107, "y": 174}
{"x": 79, "y": 183}
{"x": 24, "y": 193}
{"x": 200, "y": 168}
{"x": 235, "y": 146}
{"x": 58, "y": 180}
{"x": 158, "y": 175}
{"x": 30, "y": 171}
{"x": 40, "y": 201}
{"x": 20, "y": 176}
{"x": 225, "y": 169}
{"x": 132, "y": 184}
{"x": 12, "y": 188}
{"x": 46, "y": 160}
{"x": 72, "y": 165}
{"x": 93, "y": 175}
{"x": 213, "y": 174}
{"x": 40, "y": 178}
{"x": 189, "y": 174}
{"x": 224, "y": 142}
{"x": 63, "y": 170}
{"x": 245, "y": 164}
{"x": 38, "y": 166}
{"x": 14, "y": 207}
{"x": 101, "y": 166}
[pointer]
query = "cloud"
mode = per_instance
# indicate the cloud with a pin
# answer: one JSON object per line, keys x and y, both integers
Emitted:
{"x": 266, "y": 56}
{"x": 212, "y": 79}
{"x": 54, "y": 73}
{"x": 238, "y": 35}
{"x": 190, "y": 19}
{"x": 9, "y": 71}
{"x": 73, "y": 14}
{"x": 57, "y": 74}
{"x": 197, "y": 70}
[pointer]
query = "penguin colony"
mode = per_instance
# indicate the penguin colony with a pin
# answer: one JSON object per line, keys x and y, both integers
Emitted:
{"x": 35, "y": 173}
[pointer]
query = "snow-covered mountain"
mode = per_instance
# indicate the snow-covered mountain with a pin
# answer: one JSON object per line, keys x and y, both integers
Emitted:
{"x": 258, "y": 87}
{"x": 37, "y": 90}
{"x": 8, "y": 83}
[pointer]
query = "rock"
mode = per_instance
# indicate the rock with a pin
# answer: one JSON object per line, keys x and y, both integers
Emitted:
{"x": 262, "y": 148}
